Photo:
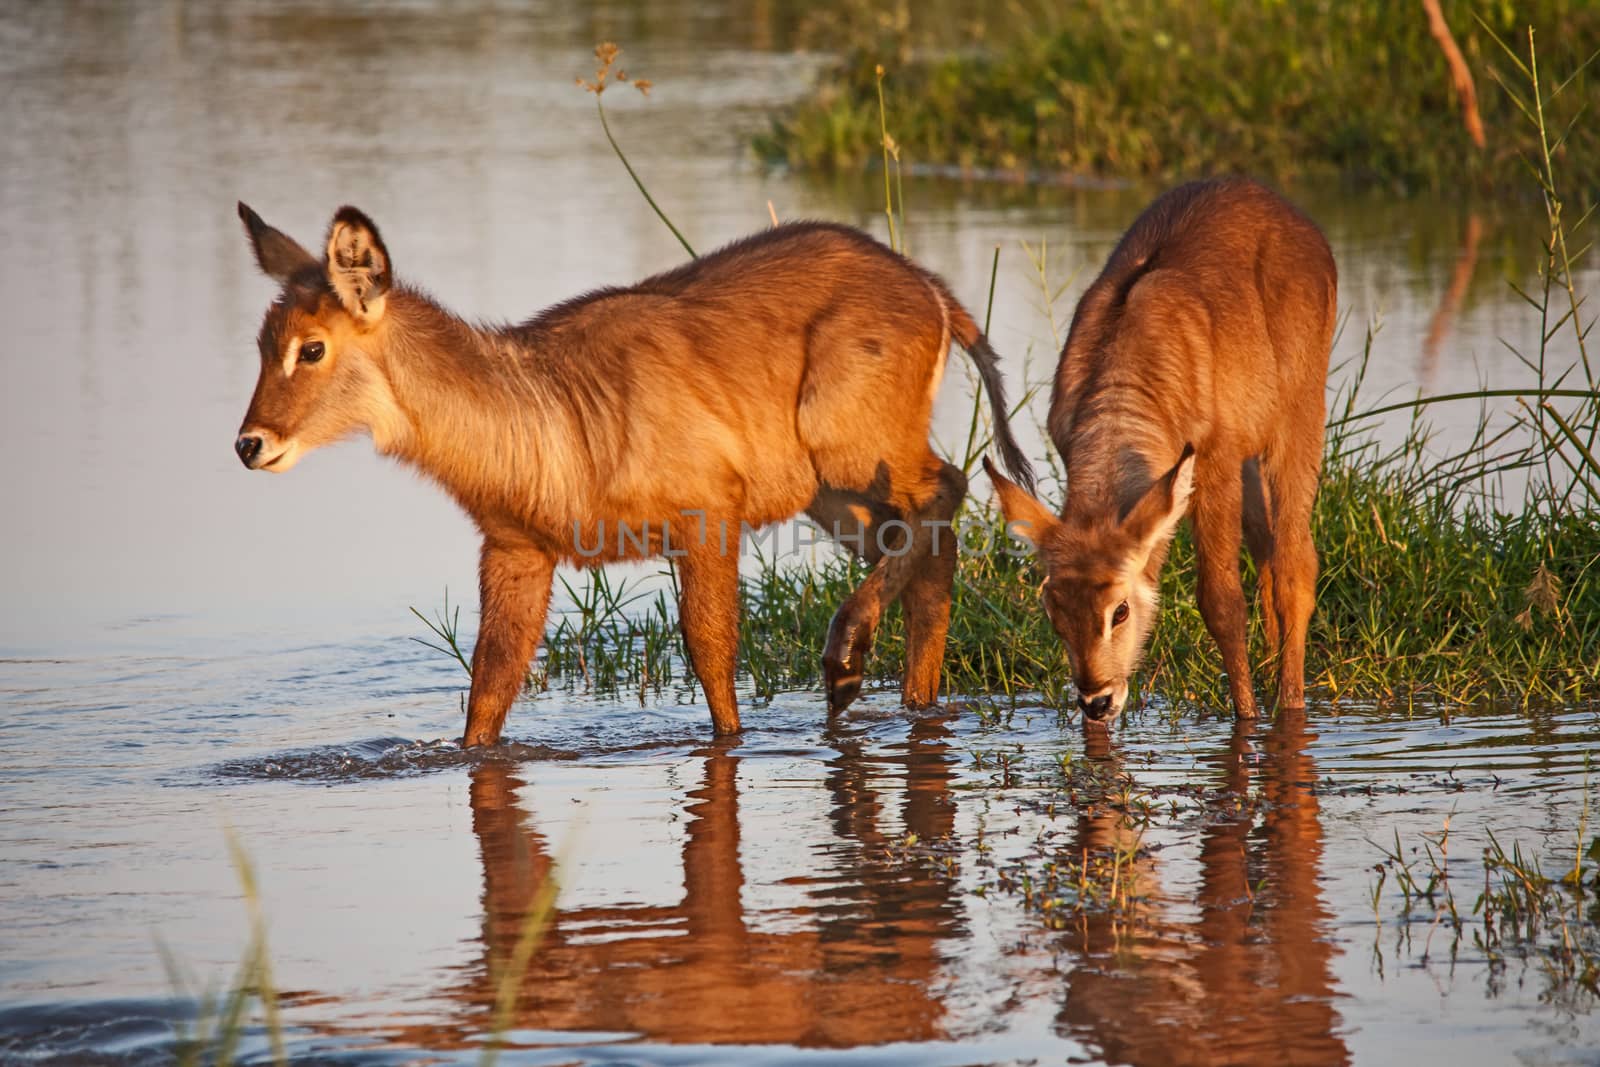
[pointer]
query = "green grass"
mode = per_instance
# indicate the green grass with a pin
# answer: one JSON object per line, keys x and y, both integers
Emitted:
{"x": 1169, "y": 89}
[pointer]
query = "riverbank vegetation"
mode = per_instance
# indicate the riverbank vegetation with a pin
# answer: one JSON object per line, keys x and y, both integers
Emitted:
{"x": 1361, "y": 91}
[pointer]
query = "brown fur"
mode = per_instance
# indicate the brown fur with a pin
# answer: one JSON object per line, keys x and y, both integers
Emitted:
{"x": 791, "y": 371}
{"x": 1196, "y": 365}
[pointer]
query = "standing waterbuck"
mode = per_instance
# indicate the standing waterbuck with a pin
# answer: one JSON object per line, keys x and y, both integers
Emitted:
{"x": 1192, "y": 381}
{"x": 791, "y": 371}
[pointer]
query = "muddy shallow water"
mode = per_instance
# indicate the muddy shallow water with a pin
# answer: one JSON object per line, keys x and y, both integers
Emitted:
{"x": 187, "y": 650}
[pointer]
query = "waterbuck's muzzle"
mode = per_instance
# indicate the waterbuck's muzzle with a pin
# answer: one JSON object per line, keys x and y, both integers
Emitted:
{"x": 1097, "y": 709}
{"x": 248, "y": 445}
{"x": 1101, "y": 704}
{"x": 263, "y": 450}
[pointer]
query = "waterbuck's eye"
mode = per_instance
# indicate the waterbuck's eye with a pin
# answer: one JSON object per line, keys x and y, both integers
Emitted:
{"x": 1120, "y": 616}
{"x": 311, "y": 352}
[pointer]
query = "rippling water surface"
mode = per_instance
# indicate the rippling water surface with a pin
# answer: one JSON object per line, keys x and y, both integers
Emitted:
{"x": 847, "y": 890}
{"x": 188, "y": 651}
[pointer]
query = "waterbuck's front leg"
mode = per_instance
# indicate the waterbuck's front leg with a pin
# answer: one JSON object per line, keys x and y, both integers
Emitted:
{"x": 708, "y": 610}
{"x": 514, "y": 590}
{"x": 1217, "y": 517}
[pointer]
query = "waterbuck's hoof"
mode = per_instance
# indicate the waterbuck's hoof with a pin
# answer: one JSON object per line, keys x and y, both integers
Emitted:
{"x": 844, "y": 659}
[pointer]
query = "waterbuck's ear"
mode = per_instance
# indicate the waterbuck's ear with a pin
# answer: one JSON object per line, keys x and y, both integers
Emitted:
{"x": 358, "y": 265}
{"x": 1156, "y": 515}
{"x": 278, "y": 254}
{"x": 1025, "y": 516}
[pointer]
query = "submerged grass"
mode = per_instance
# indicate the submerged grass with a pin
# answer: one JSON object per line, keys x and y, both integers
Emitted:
{"x": 1164, "y": 88}
{"x": 508, "y": 978}
{"x": 222, "y": 1020}
{"x": 250, "y": 1005}
{"x": 1521, "y": 914}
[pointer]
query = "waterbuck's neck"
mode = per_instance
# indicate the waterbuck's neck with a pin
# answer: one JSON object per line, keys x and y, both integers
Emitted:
{"x": 475, "y": 410}
{"x": 1117, "y": 448}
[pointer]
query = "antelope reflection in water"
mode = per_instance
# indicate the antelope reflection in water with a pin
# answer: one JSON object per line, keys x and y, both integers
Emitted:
{"x": 1250, "y": 979}
{"x": 1449, "y": 307}
{"x": 858, "y": 966}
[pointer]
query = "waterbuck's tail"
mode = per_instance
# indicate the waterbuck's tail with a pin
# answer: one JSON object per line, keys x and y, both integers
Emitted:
{"x": 969, "y": 337}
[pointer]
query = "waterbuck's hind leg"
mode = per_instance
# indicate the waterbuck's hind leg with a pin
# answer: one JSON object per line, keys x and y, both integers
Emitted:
{"x": 514, "y": 591}
{"x": 897, "y": 536}
{"x": 708, "y": 611}
{"x": 1258, "y": 538}
{"x": 1293, "y": 479}
{"x": 926, "y": 597}
{"x": 844, "y": 657}
{"x": 855, "y": 622}
{"x": 853, "y": 519}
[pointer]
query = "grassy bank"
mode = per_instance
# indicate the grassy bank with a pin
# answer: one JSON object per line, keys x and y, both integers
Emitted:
{"x": 1158, "y": 88}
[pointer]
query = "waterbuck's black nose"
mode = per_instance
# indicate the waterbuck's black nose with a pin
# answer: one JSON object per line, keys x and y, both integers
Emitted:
{"x": 1098, "y": 708}
{"x": 249, "y": 447}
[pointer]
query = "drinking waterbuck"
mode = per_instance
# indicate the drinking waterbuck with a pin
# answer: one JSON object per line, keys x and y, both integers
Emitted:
{"x": 791, "y": 371}
{"x": 1192, "y": 381}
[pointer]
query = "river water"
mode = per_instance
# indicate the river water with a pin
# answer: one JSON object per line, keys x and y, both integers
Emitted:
{"x": 188, "y": 651}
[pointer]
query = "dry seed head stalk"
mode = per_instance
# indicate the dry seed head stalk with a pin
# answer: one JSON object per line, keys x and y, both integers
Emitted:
{"x": 1542, "y": 595}
{"x": 1544, "y": 592}
{"x": 605, "y": 56}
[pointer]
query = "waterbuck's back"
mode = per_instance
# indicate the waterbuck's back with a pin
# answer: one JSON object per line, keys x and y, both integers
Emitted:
{"x": 1211, "y": 321}
{"x": 750, "y": 305}
{"x": 747, "y": 371}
